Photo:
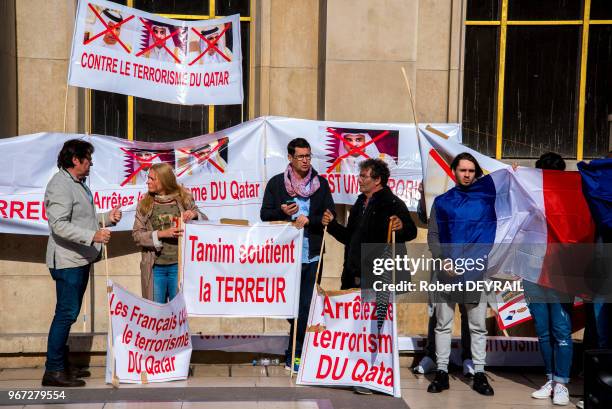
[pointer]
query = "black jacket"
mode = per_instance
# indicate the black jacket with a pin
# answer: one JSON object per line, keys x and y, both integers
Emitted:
{"x": 276, "y": 194}
{"x": 370, "y": 226}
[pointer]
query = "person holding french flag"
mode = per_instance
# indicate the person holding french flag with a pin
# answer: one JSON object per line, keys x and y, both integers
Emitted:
{"x": 461, "y": 226}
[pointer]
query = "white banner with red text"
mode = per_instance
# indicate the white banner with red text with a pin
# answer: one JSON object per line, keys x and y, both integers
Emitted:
{"x": 226, "y": 171}
{"x": 242, "y": 271}
{"x": 150, "y": 341}
{"x": 345, "y": 347}
{"x": 339, "y": 147}
{"x": 124, "y": 50}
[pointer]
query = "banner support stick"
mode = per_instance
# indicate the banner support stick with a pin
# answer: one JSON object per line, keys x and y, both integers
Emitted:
{"x": 320, "y": 258}
{"x": 180, "y": 252}
{"x": 114, "y": 379}
{"x": 295, "y": 324}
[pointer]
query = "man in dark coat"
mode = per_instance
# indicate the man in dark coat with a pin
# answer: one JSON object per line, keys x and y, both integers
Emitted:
{"x": 300, "y": 195}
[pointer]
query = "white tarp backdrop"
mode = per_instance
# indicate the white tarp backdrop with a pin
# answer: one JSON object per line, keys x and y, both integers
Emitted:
{"x": 226, "y": 171}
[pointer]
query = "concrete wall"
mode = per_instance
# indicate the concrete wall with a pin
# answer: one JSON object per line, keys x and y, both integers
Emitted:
{"x": 316, "y": 59}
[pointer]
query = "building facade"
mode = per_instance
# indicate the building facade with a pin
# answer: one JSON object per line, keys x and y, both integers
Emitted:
{"x": 523, "y": 79}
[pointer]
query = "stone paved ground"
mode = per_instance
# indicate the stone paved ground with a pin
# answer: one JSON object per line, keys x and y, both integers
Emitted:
{"x": 249, "y": 387}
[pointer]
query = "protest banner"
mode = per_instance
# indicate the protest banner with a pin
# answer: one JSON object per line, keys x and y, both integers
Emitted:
{"x": 241, "y": 271}
{"x": 339, "y": 147}
{"x": 150, "y": 341}
{"x": 124, "y": 50}
{"x": 226, "y": 172}
{"x": 343, "y": 346}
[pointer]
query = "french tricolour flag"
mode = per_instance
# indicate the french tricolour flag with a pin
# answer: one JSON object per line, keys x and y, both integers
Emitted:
{"x": 543, "y": 220}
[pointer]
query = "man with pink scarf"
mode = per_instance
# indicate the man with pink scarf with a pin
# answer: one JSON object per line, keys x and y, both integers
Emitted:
{"x": 300, "y": 195}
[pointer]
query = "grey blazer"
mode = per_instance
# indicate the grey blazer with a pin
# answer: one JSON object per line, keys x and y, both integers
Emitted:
{"x": 72, "y": 221}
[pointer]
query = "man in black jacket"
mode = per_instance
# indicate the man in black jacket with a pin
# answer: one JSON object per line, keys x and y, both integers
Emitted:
{"x": 300, "y": 195}
{"x": 369, "y": 219}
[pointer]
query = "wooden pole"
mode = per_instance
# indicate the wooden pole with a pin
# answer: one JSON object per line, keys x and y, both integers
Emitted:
{"x": 114, "y": 379}
{"x": 181, "y": 226}
{"x": 295, "y": 324}
{"x": 320, "y": 258}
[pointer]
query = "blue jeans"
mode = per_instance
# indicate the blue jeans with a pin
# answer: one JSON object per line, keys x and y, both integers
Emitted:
{"x": 165, "y": 282}
{"x": 70, "y": 285}
{"x": 597, "y": 332}
{"x": 553, "y": 326}
{"x": 307, "y": 280}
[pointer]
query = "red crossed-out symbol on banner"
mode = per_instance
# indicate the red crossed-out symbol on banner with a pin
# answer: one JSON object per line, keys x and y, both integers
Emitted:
{"x": 210, "y": 45}
{"x": 442, "y": 163}
{"x": 109, "y": 28}
{"x": 203, "y": 157}
{"x": 159, "y": 41}
{"x": 354, "y": 149}
{"x": 145, "y": 164}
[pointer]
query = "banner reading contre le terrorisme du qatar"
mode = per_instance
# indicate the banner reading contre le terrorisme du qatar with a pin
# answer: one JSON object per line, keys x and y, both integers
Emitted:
{"x": 242, "y": 271}
{"x": 345, "y": 347}
{"x": 128, "y": 51}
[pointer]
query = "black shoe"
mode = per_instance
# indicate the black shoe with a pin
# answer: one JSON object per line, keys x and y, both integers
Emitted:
{"x": 61, "y": 379}
{"x": 439, "y": 383}
{"x": 75, "y": 372}
{"x": 481, "y": 385}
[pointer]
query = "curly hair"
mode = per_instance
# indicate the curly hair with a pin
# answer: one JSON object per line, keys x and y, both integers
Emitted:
{"x": 378, "y": 169}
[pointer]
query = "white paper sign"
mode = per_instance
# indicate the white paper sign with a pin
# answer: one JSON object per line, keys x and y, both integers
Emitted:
{"x": 343, "y": 346}
{"x": 242, "y": 271}
{"x": 150, "y": 341}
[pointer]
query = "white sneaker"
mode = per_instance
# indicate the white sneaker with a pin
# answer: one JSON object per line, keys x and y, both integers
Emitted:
{"x": 580, "y": 404}
{"x": 545, "y": 392}
{"x": 560, "y": 395}
{"x": 468, "y": 368}
{"x": 426, "y": 365}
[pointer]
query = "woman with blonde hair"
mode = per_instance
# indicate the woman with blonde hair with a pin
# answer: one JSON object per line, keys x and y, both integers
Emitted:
{"x": 156, "y": 231}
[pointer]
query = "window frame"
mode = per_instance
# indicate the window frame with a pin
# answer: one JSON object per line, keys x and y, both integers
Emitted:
{"x": 503, "y": 24}
{"x": 211, "y": 108}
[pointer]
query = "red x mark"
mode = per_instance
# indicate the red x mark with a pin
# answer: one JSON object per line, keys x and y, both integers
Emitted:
{"x": 202, "y": 158}
{"x": 159, "y": 41}
{"x": 442, "y": 163}
{"x": 109, "y": 29}
{"x": 355, "y": 149}
{"x": 211, "y": 44}
{"x": 145, "y": 164}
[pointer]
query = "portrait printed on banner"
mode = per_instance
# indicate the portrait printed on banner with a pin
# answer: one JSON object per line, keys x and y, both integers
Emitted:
{"x": 163, "y": 42}
{"x": 210, "y": 158}
{"x": 346, "y": 148}
{"x": 115, "y": 26}
{"x": 211, "y": 44}
{"x": 137, "y": 162}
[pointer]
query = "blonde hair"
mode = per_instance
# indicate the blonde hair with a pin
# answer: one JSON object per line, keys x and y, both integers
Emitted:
{"x": 165, "y": 175}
